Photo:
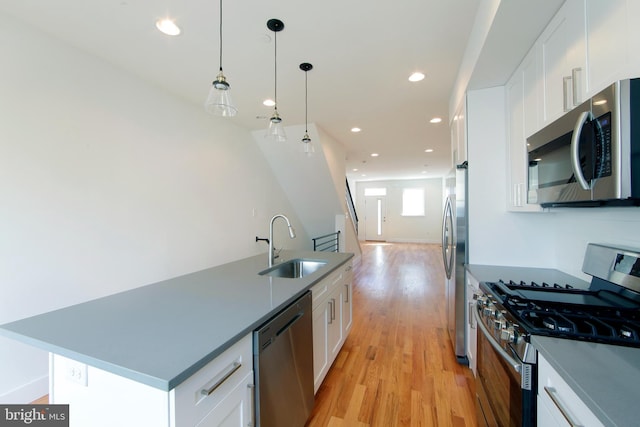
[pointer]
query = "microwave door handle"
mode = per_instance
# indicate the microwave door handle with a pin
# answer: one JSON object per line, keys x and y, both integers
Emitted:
{"x": 575, "y": 152}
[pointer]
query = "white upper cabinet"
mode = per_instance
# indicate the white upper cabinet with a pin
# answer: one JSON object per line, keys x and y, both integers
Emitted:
{"x": 564, "y": 60}
{"x": 607, "y": 42}
{"x": 459, "y": 135}
{"x": 522, "y": 92}
{"x": 633, "y": 36}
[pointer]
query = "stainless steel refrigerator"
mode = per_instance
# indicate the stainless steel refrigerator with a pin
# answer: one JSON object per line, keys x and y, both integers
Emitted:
{"x": 455, "y": 257}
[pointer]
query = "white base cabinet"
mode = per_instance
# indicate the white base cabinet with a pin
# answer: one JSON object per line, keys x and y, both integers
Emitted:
{"x": 219, "y": 394}
{"x": 558, "y": 404}
{"x": 332, "y": 317}
{"x": 473, "y": 290}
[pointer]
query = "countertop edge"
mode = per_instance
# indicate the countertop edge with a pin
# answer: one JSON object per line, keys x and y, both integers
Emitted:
{"x": 166, "y": 384}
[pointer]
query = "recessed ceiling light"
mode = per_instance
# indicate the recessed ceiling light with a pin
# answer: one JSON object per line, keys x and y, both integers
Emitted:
{"x": 268, "y": 102}
{"x": 355, "y": 130}
{"x": 168, "y": 27}
{"x": 355, "y": 169}
{"x": 374, "y": 154}
{"x": 416, "y": 77}
{"x": 429, "y": 150}
{"x": 435, "y": 120}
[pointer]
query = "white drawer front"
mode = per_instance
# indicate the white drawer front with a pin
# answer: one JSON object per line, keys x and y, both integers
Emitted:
{"x": 198, "y": 395}
{"x": 560, "y": 400}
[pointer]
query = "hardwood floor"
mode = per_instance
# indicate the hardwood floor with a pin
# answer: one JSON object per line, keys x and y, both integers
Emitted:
{"x": 397, "y": 367}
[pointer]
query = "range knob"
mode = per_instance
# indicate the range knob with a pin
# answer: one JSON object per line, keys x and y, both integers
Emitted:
{"x": 508, "y": 334}
{"x": 489, "y": 309}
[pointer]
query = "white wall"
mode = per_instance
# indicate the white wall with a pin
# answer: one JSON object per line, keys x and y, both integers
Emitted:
{"x": 400, "y": 228}
{"x": 107, "y": 184}
{"x": 307, "y": 180}
{"x": 553, "y": 239}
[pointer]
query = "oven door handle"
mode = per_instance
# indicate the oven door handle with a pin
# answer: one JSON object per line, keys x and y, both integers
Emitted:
{"x": 517, "y": 366}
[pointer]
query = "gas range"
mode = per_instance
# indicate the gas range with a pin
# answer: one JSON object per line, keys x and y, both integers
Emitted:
{"x": 607, "y": 312}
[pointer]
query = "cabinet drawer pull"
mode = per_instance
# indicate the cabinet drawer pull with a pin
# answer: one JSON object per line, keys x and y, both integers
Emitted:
{"x": 576, "y": 75}
{"x": 346, "y": 293}
{"x": 552, "y": 393}
{"x": 331, "y": 310}
{"x": 566, "y": 84}
{"x": 252, "y": 408}
{"x": 230, "y": 371}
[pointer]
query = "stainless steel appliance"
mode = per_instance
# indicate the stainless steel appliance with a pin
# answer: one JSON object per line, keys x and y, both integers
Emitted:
{"x": 591, "y": 155}
{"x": 283, "y": 363}
{"x": 509, "y": 312}
{"x": 455, "y": 257}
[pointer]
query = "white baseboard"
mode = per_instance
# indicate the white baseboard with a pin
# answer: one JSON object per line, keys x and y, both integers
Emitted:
{"x": 27, "y": 393}
{"x": 424, "y": 241}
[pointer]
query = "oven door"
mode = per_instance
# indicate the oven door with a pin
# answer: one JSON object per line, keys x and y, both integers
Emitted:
{"x": 504, "y": 396}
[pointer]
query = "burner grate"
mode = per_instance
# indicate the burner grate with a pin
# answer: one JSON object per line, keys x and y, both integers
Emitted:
{"x": 583, "y": 326}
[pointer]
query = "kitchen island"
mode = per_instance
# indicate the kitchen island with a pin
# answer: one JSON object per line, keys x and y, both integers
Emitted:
{"x": 158, "y": 336}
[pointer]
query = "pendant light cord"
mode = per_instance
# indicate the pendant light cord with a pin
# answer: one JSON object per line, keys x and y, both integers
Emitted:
{"x": 306, "y": 107}
{"x": 275, "y": 69}
{"x": 221, "y": 35}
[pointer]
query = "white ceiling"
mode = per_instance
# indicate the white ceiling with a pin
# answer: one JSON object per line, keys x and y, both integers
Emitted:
{"x": 362, "y": 52}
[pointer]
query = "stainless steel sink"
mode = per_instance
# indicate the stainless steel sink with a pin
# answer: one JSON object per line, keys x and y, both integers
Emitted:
{"x": 294, "y": 268}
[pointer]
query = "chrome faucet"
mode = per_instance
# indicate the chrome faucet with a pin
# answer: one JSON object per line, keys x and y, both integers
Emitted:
{"x": 292, "y": 234}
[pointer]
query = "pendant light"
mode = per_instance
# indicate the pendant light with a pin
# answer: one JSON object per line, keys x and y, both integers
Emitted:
{"x": 219, "y": 100}
{"x": 307, "y": 148}
{"x": 275, "y": 130}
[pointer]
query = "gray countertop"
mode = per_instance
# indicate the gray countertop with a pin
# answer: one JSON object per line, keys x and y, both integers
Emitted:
{"x": 161, "y": 334}
{"x": 605, "y": 377}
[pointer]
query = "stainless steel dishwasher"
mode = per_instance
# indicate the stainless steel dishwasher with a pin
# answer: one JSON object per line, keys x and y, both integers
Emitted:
{"x": 283, "y": 363}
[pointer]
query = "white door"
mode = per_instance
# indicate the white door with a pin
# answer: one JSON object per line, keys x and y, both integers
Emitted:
{"x": 375, "y": 218}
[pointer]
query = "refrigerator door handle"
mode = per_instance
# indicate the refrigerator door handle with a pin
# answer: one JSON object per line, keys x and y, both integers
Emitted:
{"x": 447, "y": 228}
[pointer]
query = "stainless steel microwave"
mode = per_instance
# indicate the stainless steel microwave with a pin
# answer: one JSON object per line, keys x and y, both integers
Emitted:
{"x": 591, "y": 155}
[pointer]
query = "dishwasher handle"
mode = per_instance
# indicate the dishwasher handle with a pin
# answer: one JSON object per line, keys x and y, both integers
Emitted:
{"x": 290, "y": 323}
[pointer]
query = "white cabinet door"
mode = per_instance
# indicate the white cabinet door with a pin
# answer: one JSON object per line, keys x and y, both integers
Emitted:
{"x": 516, "y": 191}
{"x": 522, "y": 111}
{"x": 321, "y": 364}
{"x": 633, "y": 38}
{"x": 564, "y": 60}
{"x": 347, "y": 306}
{"x": 332, "y": 316}
{"x": 459, "y": 134}
{"x": 531, "y": 71}
{"x": 334, "y": 335}
{"x": 607, "y": 42}
{"x": 472, "y": 334}
{"x": 235, "y": 410}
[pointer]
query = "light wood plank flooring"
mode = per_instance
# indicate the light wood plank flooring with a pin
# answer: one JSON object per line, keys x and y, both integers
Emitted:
{"x": 397, "y": 367}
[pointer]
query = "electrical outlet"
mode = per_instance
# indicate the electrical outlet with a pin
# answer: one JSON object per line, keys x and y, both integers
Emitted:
{"x": 77, "y": 372}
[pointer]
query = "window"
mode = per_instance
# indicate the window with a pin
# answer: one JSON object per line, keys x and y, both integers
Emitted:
{"x": 413, "y": 202}
{"x": 375, "y": 191}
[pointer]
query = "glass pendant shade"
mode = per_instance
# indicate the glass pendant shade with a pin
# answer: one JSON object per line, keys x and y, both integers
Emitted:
{"x": 219, "y": 101}
{"x": 275, "y": 130}
{"x": 307, "y": 146}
